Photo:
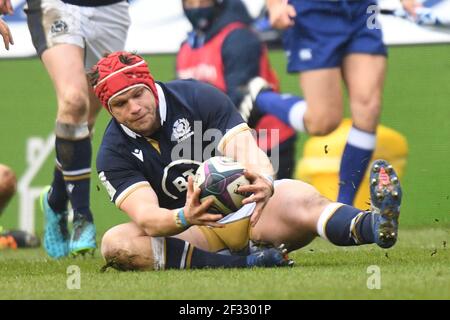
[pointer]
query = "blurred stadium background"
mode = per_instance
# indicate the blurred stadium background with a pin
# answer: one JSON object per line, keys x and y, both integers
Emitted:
{"x": 416, "y": 104}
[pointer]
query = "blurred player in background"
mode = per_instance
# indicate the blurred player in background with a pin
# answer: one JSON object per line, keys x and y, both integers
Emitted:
{"x": 426, "y": 13}
{"x": 69, "y": 37}
{"x": 12, "y": 239}
{"x": 151, "y": 149}
{"x": 223, "y": 51}
{"x": 327, "y": 42}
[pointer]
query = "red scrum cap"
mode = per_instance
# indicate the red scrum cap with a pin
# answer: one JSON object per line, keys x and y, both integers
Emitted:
{"x": 119, "y": 72}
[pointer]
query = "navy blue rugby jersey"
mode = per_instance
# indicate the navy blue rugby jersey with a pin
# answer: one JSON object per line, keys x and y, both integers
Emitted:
{"x": 197, "y": 119}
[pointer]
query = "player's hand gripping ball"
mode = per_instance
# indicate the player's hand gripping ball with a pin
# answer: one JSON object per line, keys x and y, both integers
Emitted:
{"x": 219, "y": 178}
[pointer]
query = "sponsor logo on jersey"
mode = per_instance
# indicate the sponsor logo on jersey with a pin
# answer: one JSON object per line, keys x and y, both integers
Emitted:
{"x": 175, "y": 177}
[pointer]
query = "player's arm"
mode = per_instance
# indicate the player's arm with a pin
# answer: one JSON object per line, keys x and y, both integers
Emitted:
{"x": 281, "y": 13}
{"x": 237, "y": 142}
{"x": 142, "y": 207}
{"x": 240, "y": 144}
{"x": 131, "y": 192}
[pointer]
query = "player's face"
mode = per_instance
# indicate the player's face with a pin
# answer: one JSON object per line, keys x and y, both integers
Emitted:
{"x": 137, "y": 110}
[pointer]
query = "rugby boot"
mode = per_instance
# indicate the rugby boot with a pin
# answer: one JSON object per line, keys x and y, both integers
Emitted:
{"x": 386, "y": 196}
{"x": 270, "y": 257}
{"x": 82, "y": 240}
{"x": 56, "y": 235}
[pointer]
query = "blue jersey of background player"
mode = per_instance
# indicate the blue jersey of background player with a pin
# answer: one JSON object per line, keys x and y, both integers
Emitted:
{"x": 165, "y": 159}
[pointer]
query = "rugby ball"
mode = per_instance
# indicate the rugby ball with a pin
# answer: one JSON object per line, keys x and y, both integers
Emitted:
{"x": 219, "y": 178}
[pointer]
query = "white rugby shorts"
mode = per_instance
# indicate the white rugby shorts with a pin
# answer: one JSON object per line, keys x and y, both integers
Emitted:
{"x": 96, "y": 29}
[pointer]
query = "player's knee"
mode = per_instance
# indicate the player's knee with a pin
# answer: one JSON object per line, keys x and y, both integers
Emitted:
{"x": 120, "y": 259}
{"x": 73, "y": 106}
{"x": 321, "y": 126}
{"x": 8, "y": 185}
{"x": 8, "y": 180}
{"x": 366, "y": 112}
{"x": 117, "y": 254}
{"x": 120, "y": 253}
{"x": 366, "y": 104}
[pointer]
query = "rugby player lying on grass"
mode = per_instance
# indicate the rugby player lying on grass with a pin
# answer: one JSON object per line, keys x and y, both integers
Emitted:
{"x": 140, "y": 165}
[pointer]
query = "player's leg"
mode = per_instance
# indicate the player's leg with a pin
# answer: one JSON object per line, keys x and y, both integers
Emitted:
{"x": 290, "y": 215}
{"x": 65, "y": 65}
{"x": 363, "y": 69}
{"x": 317, "y": 113}
{"x": 127, "y": 247}
{"x": 297, "y": 213}
{"x": 55, "y": 28}
{"x": 315, "y": 53}
{"x": 106, "y": 31}
{"x": 364, "y": 77}
{"x": 323, "y": 95}
{"x": 261, "y": 100}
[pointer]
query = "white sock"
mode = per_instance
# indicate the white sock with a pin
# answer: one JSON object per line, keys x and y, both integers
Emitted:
{"x": 362, "y": 139}
{"x": 325, "y": 216}
{"x": 296, "y": 115}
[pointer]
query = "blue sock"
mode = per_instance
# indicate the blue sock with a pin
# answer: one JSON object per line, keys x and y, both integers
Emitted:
{"x": 344, "y": 225}
{"x": 75, "y": 158}
{"x": 287, "y": 108}
{"x": 355, "y": 159}
{"x": 57, "y": 196}
{"x": 183, "y": 255}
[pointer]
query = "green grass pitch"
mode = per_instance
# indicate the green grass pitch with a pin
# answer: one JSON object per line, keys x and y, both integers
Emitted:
{"x": 417, "y": 268}
{"x": 416, "y": 103}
